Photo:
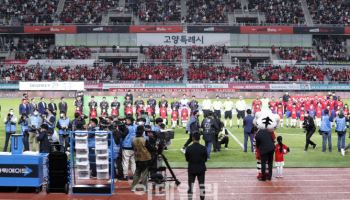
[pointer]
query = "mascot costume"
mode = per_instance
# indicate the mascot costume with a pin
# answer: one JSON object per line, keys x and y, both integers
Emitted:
{"x": 263, "y": 120}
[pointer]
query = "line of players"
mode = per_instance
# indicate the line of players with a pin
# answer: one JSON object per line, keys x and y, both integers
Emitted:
{"x": 178, "y": 110}
{"x": 291, "y": 109}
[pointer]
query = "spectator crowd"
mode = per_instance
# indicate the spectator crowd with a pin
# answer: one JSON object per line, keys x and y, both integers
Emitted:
{"x": 279, "y": 11}
{"x": 297, "y": 53}
{"x": 329, "y": 11}
{"x": 332, "y": 48}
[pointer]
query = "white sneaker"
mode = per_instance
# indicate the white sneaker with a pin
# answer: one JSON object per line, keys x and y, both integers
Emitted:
{"x": 342, "y": 152}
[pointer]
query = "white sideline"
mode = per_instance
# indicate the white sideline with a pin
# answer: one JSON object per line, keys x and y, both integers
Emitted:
{"x": 235, "y": 138}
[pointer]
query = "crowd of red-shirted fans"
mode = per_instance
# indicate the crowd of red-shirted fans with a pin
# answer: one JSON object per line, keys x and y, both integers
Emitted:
{"x": 219, "y": 73}
{"x": 29, "y": 11}
{"x": 307, "y": 73}
{"x": 195, "y": 72}
{"x": 332, "y": 48}
{"x": 297, "y": 53}
{"x": 329, "y": 11}
{"x": 215, "y": 11}
{"x": 279, "y": 11}
{"x": 159, "y": 10}
{"x": 163, "y": 53}
{"x": 148, "y": 71}
{"x": 85, "y": 11}
{"x": 213, "y": 53}
{"x": 37, "y": 73}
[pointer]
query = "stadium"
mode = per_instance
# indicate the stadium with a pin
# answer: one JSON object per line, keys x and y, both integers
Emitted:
{"x": 135, "y": 99}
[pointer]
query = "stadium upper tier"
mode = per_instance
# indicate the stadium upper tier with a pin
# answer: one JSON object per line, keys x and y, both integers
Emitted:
{"x": 17, "y": 12}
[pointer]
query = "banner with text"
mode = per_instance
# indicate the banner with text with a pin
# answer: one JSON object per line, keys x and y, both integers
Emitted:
{"x": 284, "y": 62}
{"x": 60, "y": 63}
{"x": 330, "y": 87}
{"x": 53, "y": 86}
{"x": 182, "y": 39}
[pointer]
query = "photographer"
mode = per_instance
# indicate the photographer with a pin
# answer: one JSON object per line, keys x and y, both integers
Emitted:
{"x": 210, "y": 126}
{"x": 142, "y": 158}
{"x": 50, "y": 120}
{"x": 35, "y": 121}
{"x": 23, "y": 122}
{"x": 63, "y": 126}
{"x": 127, "y": 150}
{"x": 10, "y": 127}
{"x": 341, "y": 131}
{"x": 79, "y": 120}
{"x": 310, "y": 128}
{"x": 43, "y": 138}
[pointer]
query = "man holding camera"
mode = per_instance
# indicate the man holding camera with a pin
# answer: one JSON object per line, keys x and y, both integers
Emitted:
{"x": 10, "y": 127}
{"x": 210, "y": 127}
{"x": 34, "y": 124}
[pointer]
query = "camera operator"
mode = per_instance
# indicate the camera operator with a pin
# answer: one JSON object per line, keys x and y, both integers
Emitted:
{"x": 210, "y": 127}
{"x": 35, "y": 122}
{"x": 120, "y": 131}
{"x": 64, "y": 127}
{"x": 142, "y": 158}
{"x": 10, "y": 127}
{"x": 23, "y": 122}
{"x": 127, "y": 150}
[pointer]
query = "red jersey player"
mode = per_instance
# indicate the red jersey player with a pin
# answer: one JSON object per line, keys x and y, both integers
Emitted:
{"x": 174, "y": 117}
{"x": 184, "y": 116}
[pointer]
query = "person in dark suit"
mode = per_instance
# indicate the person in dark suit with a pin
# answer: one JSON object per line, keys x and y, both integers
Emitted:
{"x": 196, "y": 156}
{"x": 23, "y": 107}
{"x": 62, "y": 106}
{"x": 264, "y": 142}
{"x": 32, "y": 106}
{"x": 42, "y": 106}
{"x": 248, "y": 133}
{"x": 53, "y": 107}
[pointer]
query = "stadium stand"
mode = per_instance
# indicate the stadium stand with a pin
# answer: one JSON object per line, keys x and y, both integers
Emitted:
{"x": 331, "y": 48}
{"x": 279, "y": 11}
{"x": 85, "y": 11}
{"x": 163, "y": 53}
{"x": 159, "y": 11}
{"x": 149, "y": 72}
{"x": 29, "y": 11}
{"x": 329, "y": 11}
{"x": 210, "y": 11}
{"x": 297, "y": 53}
{"x": 205, "y": 72}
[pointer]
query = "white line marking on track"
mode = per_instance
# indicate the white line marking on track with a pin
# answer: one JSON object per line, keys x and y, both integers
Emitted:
{"x": 235, "y": 138}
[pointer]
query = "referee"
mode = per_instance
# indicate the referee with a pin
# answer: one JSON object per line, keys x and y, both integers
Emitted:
{"x": 240, "y": 107}
{"x": 217, "y": 106}
{"x": 228, "y": 107}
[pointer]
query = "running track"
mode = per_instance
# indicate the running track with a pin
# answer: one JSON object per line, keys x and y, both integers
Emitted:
{"x": 232, "y": 184}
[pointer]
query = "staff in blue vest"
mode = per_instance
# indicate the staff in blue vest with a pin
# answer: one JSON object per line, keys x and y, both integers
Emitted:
{"x": 10, "y": 127}
{"x": 326, "y": 131}
{"x": 64, "y": 126}
{"x": 34, "y": 123}
{"x": 341, "y": 130}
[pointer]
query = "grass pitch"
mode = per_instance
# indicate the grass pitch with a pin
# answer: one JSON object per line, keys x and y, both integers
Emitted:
{"x": 234, "y": 157}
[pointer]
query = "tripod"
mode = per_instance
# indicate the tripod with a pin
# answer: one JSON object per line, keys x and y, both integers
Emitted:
{"x": 173, "y": 176}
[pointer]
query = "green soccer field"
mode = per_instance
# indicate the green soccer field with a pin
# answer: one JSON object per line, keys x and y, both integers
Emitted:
{"x": 234, "y": 156}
